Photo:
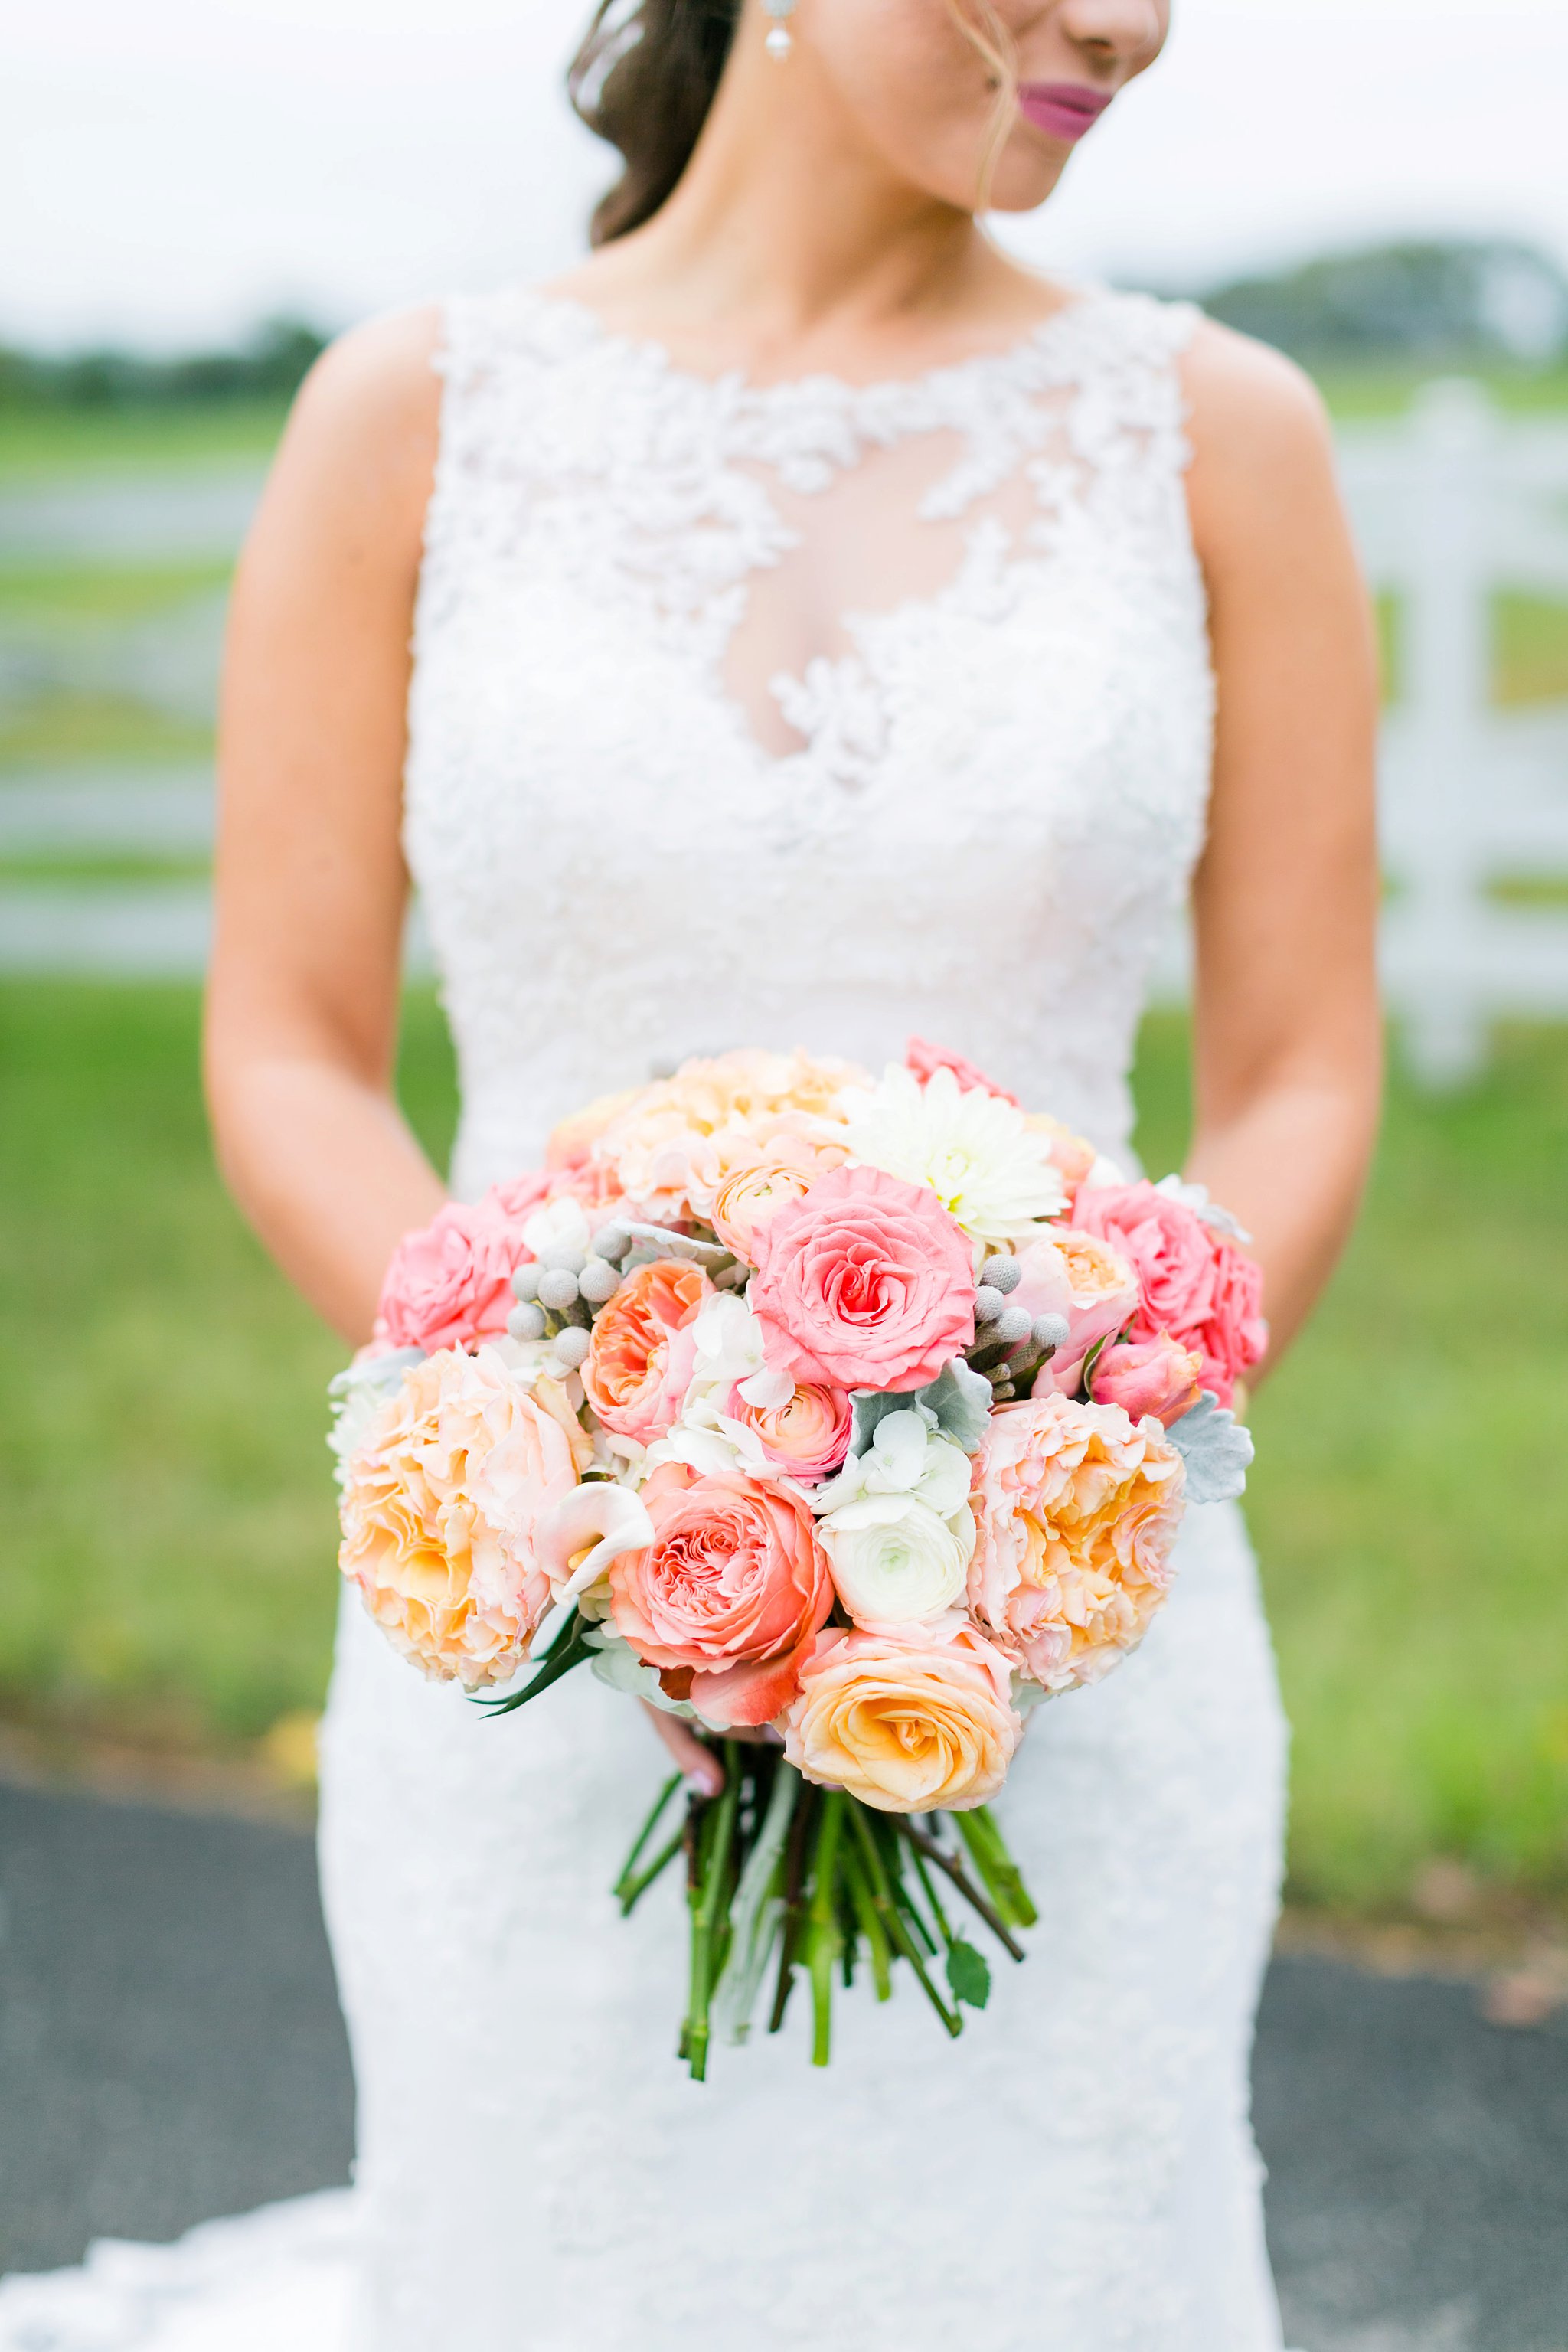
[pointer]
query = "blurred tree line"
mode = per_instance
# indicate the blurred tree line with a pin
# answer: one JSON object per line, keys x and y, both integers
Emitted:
{"x": 268, "y": 366}
{"x": 1438, "y": 302}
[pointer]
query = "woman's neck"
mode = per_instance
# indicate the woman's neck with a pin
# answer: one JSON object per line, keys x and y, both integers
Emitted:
{"x": 789, "y": 245}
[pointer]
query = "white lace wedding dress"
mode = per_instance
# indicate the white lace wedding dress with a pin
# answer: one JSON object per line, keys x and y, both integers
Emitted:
{"x": 799, "y": 713}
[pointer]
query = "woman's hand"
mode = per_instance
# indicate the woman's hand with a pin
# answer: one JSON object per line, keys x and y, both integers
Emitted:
{"x": 702, "y": 1772}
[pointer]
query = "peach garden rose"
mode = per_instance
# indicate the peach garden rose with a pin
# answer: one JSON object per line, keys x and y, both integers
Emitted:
{"x": 809, "y": 1435}
{"x": 672, "y": 1145}
{"x": 729, "y": 1595}
{"x": 780, "y": 1169}
{"x": 440, "y": 1508}
{"x": 1084, "y": 1280}
{"x": 644, "y": 1348}
{"x": 1076, "y": 1511}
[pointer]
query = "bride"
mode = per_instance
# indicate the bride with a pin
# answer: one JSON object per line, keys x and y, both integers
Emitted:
{"x": 822, "y": 628}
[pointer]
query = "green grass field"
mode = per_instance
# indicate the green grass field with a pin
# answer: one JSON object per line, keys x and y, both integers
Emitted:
{"x": 166, "y": 1574}
{"x": 44, "y": 445}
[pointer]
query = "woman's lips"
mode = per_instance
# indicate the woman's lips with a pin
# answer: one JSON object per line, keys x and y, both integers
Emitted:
{"x": 1062, "y": 110}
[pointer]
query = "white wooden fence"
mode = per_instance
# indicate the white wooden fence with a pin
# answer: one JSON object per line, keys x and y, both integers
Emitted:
{"x": 1452, "y": 506}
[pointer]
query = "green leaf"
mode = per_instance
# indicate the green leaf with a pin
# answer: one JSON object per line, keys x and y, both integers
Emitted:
{"x": 569, "y": 1649}
{"x": 968, "y": 1974}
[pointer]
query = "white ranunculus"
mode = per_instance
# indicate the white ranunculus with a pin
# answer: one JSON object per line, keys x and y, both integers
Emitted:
{"x": 908, "y": 1455}
{"x": 895, "y": 1561}
{"x": 973, "y": 1151}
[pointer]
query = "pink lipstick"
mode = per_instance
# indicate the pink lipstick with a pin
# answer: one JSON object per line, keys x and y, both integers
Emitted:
{"x": 1062, "y": 110}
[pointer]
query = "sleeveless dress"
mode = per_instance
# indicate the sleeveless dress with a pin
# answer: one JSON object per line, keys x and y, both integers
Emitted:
{"x": 817, "y": 714}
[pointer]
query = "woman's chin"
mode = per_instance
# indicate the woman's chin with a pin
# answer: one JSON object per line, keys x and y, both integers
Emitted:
{"x": 1024, "y": 182}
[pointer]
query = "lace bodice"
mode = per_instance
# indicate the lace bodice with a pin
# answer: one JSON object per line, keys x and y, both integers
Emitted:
{"x": 803, "y": 713}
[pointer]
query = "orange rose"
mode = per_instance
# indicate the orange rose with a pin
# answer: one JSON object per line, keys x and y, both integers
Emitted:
{"x": 643, "y": 1347}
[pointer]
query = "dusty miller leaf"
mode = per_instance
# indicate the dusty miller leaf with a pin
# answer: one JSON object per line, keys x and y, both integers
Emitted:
{"x": 959, "y": 1403}
{"x": 1215, "y": 1448}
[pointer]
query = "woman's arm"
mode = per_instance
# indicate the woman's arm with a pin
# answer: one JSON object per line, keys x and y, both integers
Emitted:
{"x": 1287, "y": 1033}
{"x": 302, "y": 1007}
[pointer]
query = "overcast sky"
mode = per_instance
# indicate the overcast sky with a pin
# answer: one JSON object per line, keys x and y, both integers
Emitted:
{"x": 172, "y": 169}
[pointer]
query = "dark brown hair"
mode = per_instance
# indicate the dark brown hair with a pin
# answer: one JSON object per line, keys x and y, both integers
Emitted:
{"x": 648, "y": 71}
{"x": 645, "y": 78}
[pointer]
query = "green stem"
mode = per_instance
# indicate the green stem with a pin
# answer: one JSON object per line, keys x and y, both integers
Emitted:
{"x": 965, "y": 1885}
{"x": 929, "y": 1890}
{"x": 822, "y": 1931}
{"x": 1002, "y": 1879}
{"x": 709, "y": 1904}
{"x": 794, "y": 1903}
{"x": 869, "y": 1923}
{"x": 630, "y": 1892}
{"x": 892, "y": 1920}
{"x": 647, "y": 1830}
{"x": 890, "y": 1846}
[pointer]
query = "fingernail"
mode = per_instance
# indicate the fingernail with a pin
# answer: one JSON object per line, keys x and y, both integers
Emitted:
{"x": 699, "y": 1785}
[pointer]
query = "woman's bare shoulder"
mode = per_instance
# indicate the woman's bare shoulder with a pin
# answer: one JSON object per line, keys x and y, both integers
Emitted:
{"x": 1262, "y": 449}
{"x": 359, "y": 450}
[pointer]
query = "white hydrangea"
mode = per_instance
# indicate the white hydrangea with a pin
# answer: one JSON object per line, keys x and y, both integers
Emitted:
{"x": 358, "y": 1395}
{"x": 974, "y": 1151}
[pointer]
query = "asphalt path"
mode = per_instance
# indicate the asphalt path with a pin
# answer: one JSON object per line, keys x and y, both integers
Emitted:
{"x": 170, "y": 2050}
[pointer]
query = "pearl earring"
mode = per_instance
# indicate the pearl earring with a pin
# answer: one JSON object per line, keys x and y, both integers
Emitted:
{"x": 779, "y": 43}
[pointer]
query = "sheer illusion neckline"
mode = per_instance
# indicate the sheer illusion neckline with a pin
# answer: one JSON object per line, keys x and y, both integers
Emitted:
{"x": 592, "y": 329}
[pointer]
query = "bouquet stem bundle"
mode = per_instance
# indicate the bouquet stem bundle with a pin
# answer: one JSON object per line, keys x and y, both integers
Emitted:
{"x": 800, "y": 1881}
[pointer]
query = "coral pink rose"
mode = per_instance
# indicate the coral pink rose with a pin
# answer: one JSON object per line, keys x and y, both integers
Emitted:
{"x": 1072, "y": 1274}
{"x": 809, "y": 1436}
{"x": 728, "y": 1598}
{"x": 1156, "y": 1376}
{"x": 450, "y": 1284}
{"x": 1194, "y": 1283}
{"x": 1075, "y": 1510}
{"x": 441, "y": 1508}
{"x": 909, "y": 1722}
{"x": 865, "y": 1283}
{"x": 644, "y": 1348}
{"x": 925, "y": 1060}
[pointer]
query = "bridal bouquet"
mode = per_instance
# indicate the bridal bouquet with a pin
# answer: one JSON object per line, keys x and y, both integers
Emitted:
{"x": 848, "y": 1421}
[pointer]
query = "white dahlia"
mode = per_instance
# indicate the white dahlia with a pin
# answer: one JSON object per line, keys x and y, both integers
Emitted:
{"x": 973, "y": 1151}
